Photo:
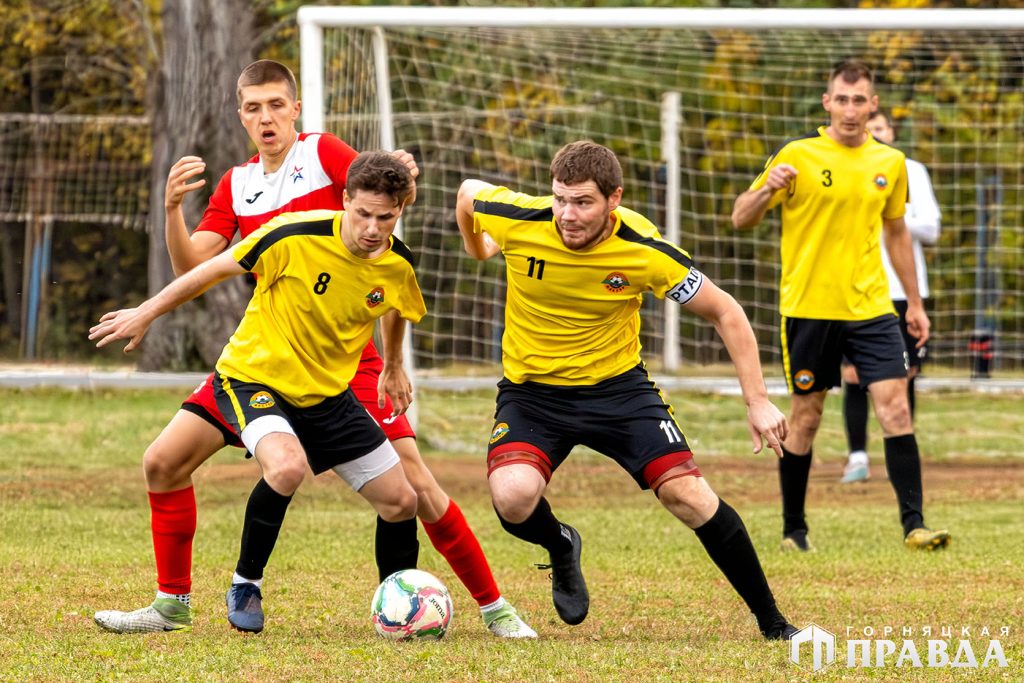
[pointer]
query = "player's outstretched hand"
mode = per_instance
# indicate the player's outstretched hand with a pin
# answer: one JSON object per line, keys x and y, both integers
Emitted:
{"x": 178, "y": 186}
{"x": 128, "y": 323}
{"x": 395, "y": 384}
{"x": 767, "y": 425}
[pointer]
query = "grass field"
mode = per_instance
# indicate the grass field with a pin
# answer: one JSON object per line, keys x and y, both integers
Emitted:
{"x": 75, "y": 539}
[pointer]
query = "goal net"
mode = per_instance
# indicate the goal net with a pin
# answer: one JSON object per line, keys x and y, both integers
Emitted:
{"x": 472, "y": 98}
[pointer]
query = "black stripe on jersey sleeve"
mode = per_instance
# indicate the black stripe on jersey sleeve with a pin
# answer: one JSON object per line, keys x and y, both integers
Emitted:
{"x": 321, "y": 228}
{"x": 398, "y": 246}
{"x": 675, "y": 253}
{"x": 519, "y": 213}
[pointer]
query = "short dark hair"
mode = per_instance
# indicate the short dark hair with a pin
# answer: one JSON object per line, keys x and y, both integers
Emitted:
{"x": 884, "y": 114}
{"x": 380, "y": 173}
{"x": 851, "y": 70}
{"x": 267, "y": 71}
{"x": 585, "y": 160}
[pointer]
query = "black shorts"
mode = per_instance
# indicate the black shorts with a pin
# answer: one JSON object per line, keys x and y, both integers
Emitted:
{"x": 625, "y": 418}
{"x": 813, "y": 351}
{"x": 334, "y": 431}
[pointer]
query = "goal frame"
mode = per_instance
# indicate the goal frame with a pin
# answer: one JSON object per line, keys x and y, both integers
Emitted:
{"x": 313, "y": 20}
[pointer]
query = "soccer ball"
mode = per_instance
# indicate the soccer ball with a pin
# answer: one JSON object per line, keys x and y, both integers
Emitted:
{"x": 411, "y": 604}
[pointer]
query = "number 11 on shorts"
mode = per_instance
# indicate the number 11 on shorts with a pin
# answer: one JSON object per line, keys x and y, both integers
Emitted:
{"x": 672, "y": 434}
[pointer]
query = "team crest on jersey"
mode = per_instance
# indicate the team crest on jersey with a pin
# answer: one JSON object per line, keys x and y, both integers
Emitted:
{"x": 881, "y": 182}
{"x": 296, "y": 174}
{"x": 804, "y": 379}
{"x": 375, "y": 297}
{"x": 500, "y": 430}
{"x": 261, "y": 400}
{"x": 615, "y": 282}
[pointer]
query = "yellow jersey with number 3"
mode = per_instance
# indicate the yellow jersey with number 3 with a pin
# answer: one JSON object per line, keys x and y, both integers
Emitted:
{"x": 314, "y": 306}
{"x": 832, "y": 216}
{"x": 572, "y": 317}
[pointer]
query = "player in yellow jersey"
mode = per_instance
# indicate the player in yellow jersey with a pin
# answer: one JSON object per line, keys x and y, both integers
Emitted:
{"x": 577, "y": 265}
{"x": 841, "y": 192}
{"x": 324, "y": 278}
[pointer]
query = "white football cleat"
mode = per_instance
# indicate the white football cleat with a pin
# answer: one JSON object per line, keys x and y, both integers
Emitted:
{"x": 165, "y": 614}
{"x": 504, "y": 622}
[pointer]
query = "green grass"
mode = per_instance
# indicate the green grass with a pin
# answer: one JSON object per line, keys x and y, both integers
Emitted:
{"x": 75, "y": 539}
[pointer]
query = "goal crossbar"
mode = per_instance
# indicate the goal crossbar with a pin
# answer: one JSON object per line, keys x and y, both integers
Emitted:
{"x": 662, "y": 17}
{"x": 313, "y": 19}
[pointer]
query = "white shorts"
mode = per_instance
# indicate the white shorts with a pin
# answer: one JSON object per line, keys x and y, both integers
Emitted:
{"x": 361, "y": 471}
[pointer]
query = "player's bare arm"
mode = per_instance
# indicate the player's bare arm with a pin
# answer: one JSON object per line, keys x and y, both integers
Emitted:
{"x": 899, "y": 245}
{"x": 478, "y": 245}
{"x": 132, "y": 323}
{"x": 767, "y": 424}
{"x": 750, "y": 206}
{"x": 186, "y": 252}
{"x": 393, "y": 382}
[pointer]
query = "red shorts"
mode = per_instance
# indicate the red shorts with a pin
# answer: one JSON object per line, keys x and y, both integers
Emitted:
{"x": 363, "y": 385}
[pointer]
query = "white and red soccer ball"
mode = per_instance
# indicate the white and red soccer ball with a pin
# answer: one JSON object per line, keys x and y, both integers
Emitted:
{"x": 411, "y": 605}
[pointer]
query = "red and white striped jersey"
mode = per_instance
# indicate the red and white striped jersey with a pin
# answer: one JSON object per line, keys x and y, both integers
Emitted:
{"x": 311, "y": 177}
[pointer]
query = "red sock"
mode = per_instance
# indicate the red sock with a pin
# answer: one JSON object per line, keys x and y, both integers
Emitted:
{"x": 174, "y": 527}
{"x": 453, "y": 538}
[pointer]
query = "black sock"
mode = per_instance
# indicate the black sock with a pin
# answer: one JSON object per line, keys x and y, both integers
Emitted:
{"x": 903, "y": 463}
{"x": 794, "y": 470}
{"x": 728, "y": 545}
{"x": 540, "y": 528}
{"x": 395, "y": 546}
{"x": 855, "y": 412}
{"x": 911, "y": 396}
{"x": 264, "y": 515}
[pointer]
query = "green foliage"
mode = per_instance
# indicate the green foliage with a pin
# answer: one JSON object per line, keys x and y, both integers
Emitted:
{"x": 83, "y": 57}
{"x": 959, "y": 107}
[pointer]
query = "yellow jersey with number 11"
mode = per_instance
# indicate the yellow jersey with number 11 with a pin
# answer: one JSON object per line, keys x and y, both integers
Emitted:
{"x": 572, "y": 316}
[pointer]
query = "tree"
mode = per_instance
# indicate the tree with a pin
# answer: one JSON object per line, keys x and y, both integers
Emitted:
{"x": 206, "y": 43}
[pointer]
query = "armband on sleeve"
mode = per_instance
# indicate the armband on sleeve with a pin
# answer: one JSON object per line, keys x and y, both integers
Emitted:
{"x": 688, "y": 288}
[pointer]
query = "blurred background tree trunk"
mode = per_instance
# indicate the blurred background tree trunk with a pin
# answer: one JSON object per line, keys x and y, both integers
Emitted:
{"x": 205, "y": 44}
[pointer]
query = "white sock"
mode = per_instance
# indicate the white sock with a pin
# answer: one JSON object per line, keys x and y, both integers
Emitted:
{"x": 857, "y": 458}
{"x": 183, "y": 598}
{"x": 492, "y": 607}
{"x": 238, "y": 578}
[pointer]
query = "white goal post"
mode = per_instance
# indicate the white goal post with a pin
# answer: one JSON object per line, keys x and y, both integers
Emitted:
{"x": 388, "y": 76}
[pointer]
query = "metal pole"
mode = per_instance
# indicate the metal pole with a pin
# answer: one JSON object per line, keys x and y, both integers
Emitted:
{"x": 387, "y": 141}
{"x": 670, "y": 106}
{"x": 311, "y": 70}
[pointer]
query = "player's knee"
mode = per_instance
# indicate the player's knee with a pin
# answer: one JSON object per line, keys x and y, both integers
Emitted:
{"x": 514, "y": 499}
{"x": 689, "y": 498}
{"x": 162, "y": 465}
{"x": 512, "y": 507}
{"x": 804, "y": 424}
{"x": 517, "y": 479}
{"x": 894, "y": 416}
{"x": 286, "y": 471}
{"x": 399, "y": 507}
